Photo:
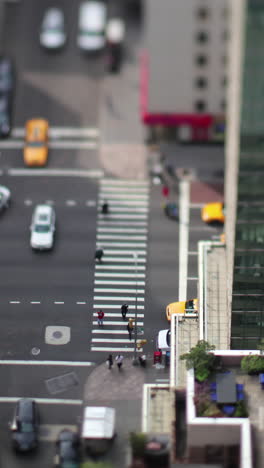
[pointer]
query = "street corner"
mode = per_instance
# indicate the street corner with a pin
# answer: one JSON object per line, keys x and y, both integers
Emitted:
{"x": 126, "y": 160}
{"x": 206, "y": 192}
{"x": 114, "y": 384}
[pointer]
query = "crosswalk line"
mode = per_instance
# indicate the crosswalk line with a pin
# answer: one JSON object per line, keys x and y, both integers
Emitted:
{"x": 120, "y": 196}
{"x": 124, "y": 252}
{"x": 110, "y": 332}
{"x": 111, "y": 340}
{"x": 123, "y": 216}
{"x": 107, "y": 349}
{"x": 124, "y": 182}
{"x": 135, "y": 245}
{"x": 119, "y": 290}
{"x": 127, "y": 209}
{"x": 120, "y": 275}
{"x": 119, "y": 323}
{"x": 123, "y": 230}
{"x": 124, "y": 283}
{"x": 118, "y": 267}
{"x": 120, "y": 298}
{"x": 127, "y": 203}
{"x": 117, "y": 306}
{"x": 102, "y": 222}
{"x": 115, "y": 237}
{"x": 123, "y": 260}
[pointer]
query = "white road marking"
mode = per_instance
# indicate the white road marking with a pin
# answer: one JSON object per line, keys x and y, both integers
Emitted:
{"x": 46, "y": 363}
{"x": 120, "y": 275}
{"x": 123, "y": 260}
{"x": 106, "y": 237}
{"x": 14, "y": 302}
{"x": 121, "y": 223}
{"x": 127, "y": 203}
{"x": 109, "y": 323}
{"x": 90, "y": 203}
{"x": 58, "y": 302}
{"x": 124, "y": 252}
{"x": 35, "y": 302}
{"x": 93, "y": 173}
{"x": 122, "y": 216}
{"x": 70, "y": 202}
{"x": 48, "y": 401}
{"x": 183, "y": 237}
{"x": 111, "y": 340}
{"x": 113, "y": 314}
{"x": 125, "y": 283}
{"x": 107, "y": 349}
{"x": 118, "y": 267}
{"x": 81, "y": 302}
{"x": 55, "y": 144}
{"x": 28, "y": 202}
{"x": 119, "y": 290}
{"x": 59, "y": 132}
{"x": 106, "y": 183}
{"x": 109, "y": 332}
{"x": 123, "y": 230}
{"x": 120, "y": 195}
{"x": 135, "y": 245}
{"x": 118, "y": 298}
{"x": 49, "y": 202}
{"x": 126, "y": 209}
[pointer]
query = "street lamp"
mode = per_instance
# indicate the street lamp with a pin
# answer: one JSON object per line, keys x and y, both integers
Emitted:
{"x": 135, "y": 361}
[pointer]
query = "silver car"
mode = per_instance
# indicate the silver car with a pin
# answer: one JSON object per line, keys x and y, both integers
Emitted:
{"x": 52, "y": 33}
{"x": 4, "y": 197}
{"x": 42, "y": 228}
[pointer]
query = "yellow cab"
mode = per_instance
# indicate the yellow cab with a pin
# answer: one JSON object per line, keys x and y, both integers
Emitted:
{"x": 36, "y": 142}
{"x": 213, "y": 212}
{"x": 182, "y": 307}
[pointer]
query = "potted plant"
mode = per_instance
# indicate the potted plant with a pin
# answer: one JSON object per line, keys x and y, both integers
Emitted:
{"x": 200, "y": 359}
{"x": 253, "y": 364}
{"x": 138, "y": 442}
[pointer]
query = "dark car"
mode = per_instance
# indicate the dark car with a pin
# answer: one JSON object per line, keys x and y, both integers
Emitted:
{"x": 24, "y": 426}
{"x": 5, "y": 114}
{"x": 67, "y": 450}
{"x": 6, "y": 75}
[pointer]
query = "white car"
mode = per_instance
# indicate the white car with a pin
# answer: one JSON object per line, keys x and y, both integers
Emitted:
{"x": 163, "y": 340}
{"x": 42, "y": 228}
{"x": 52, "y": 34}
{"x": 92, "y": 25}
{"x": 4, "y": 197}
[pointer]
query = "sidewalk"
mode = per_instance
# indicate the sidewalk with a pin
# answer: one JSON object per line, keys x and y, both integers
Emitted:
{"x": 122, "y": 390}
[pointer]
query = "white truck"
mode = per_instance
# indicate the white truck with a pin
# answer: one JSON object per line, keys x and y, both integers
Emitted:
{"x": 98, "y": 428}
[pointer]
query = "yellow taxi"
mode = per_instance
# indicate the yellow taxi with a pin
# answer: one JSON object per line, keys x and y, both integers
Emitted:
{"x": 182, "y": 307}
{"x": 36, "y": 142}
{"x": 213, "y": 212}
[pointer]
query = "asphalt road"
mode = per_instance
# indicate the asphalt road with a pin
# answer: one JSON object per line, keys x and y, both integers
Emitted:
{"x": 58, "y": 289}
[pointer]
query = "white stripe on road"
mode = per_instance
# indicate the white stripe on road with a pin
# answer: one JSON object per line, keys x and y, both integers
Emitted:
{"x": 111, "y": 340}
{"x": 124, "y": 283}
{"x": 113, "y": 314}
{"x": 116, "y": 209}
{"x": 60, "y": 144}
{"x": 117, "y": 323}
{"x": 184, "y": 215}
{"x": 70, "y": 202}
{"x": 116, "y": 290}
{"x": 46, "y": 363}
{"x": 58, "y": 132}
{"x": 123, "y": 260}
{"x": 34, "y": 302}
{"x": 122, "y": 216}
{"x": 123, "y": 182}
{"x": 118, "y": 267}
{"x": 120, "y": 275}
{"x": 127, "y": 203}
{"x": 125, "y": 252}
{"x": 81, "y": 302}
{"x": 118, "y": 298}
{"x": 118, "y": 306}
{"x": 97, "y": 173}
{"x": 121, "y": 223}
{"x": 135, "y": 245}
{"x": 14, "y": 302}
{"x": 107, "y": 349}
{"x": 123, "y": 230}
{"x": 109, "y": 332}
{"x": 106, "y": 237}
{"x": 118, "y": 196}
{"x": 48, "y": 401}
{"x": 58, "y": 302}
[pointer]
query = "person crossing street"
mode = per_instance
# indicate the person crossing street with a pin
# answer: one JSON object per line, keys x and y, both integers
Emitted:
{"x": 100, "y": 317}
{"x": 124, "y": 309}
{"x": 130, "y": 327}
{"x": 119, "y": 361}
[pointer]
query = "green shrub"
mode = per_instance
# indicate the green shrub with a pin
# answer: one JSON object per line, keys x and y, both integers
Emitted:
{"x": 138, "y": 442}
{"x": 252, "y": 364}
{"x": 241, "y": 410}
{"x": 200, "y": 359}
{"x": 90, "y": 464}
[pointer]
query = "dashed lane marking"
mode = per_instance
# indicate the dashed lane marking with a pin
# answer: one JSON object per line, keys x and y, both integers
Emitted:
{"x": 70, "y": 202}
{"x": 58, "y": 302}
{"x": 35, "y": 302}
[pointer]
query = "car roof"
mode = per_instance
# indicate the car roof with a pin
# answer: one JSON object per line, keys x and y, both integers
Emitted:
{"x": 43, "y": 210}
{"x": 92, "y": 13}
{"x": 53, "y": 17}
{"x": 25, "y": 409}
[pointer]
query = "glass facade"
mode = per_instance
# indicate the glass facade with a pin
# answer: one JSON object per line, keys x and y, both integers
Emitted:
{"x": 247, "y": 327}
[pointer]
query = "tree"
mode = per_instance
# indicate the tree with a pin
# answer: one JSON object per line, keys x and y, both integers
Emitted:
{"x": 200, "y": 359}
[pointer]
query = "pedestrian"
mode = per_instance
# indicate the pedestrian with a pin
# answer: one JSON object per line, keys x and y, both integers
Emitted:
{"x": 165, "y": 191}
{"x": 100, "y": 317}
{"x": 105, "y": 208}
{"x": 119, "y": 361}
{"x": 124, "y": 309}
{"x": 99, "y": 254}
{"x": 130, "y": 327}
{"x": 110, "y": 361}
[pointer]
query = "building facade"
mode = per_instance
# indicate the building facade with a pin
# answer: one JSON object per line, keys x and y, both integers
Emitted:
{"x": 183, "y": 69}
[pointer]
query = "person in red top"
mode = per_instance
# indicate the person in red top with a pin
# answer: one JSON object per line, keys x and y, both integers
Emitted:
{"x": 165, "y": 191}
{"x": 100, "y": 317}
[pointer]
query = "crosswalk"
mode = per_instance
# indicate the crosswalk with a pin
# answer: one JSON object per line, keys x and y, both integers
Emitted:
{"x": 121, "y": 277}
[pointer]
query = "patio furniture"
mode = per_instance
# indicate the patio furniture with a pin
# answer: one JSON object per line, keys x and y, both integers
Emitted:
{"x": 226, "y": 387}
{"x": 240, "y": 396}
{"x": 213, "y": 386}
{"x": 213, "y": 396}
{"x": 261, "y": 380}
{"x": 228, "y": 409}
{"x": 240, "y": 387}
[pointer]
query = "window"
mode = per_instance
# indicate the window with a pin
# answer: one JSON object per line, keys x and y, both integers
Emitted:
{"x": 200, "y": 105}
{"x": 203, "y": 13}
{"x": 202, "y": 37}
{"x": 201, "y": 60}
{"x": 201, "y": 82}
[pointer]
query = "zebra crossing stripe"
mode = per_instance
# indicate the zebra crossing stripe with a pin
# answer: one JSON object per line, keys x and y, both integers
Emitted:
{"x": 123, "y": 260}
{"x": 121, "y": 223}
{"x": 110, "y": 340}
{"x": 118, "y": 298}
{"x": 117, "y": 306}
{"x": 127, "y": 209}
{"x": 118, "y": 290}
{"x": 123, "y": 216}
{"x": 123, "y": 230}
{"x": 125, "y": 182}
{"x": 121, "y": 196}
{"x": 115, "y": 237}
{"x": 125, "y": 283}
{"x": 114, "y": 350}
{"x": 109, "y": 332}
{"x": 125, "y": 252}
{"x": 117, "y": 323}
{"x": 118, "y": 267}
{"x": 120, "y": 275}
{"x": 128, "y": 203}
{"x": 135, "y": 245}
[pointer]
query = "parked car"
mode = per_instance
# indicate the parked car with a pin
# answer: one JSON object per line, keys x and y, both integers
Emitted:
{"x": 6, "y": 95}
{"x": 213, "y": 213}
{"x": 42, "y": 228}
{"x": 98, "y": 429}
{"x": 182, "y": 307}
{"x": 7, "y": 75}
{"x": 36, "y": 142}
{"x": 24, "y": 426}
{"x": 5, "y": 196}
{"x": 52, "y": 33}
{"x": 91, "y": 26}
{"x": 164, "y": 340}
{"x": 5, "y": 114}
{"x": 67, "y": 450}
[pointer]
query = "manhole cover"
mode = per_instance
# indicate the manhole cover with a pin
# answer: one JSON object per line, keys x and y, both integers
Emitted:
{"x": 57, "y": 334}
{"x": 35, "y": 351}
{"x": 62, "y": 383}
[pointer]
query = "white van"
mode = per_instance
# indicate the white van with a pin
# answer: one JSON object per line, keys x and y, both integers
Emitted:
{"x": 92, "y": 24}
